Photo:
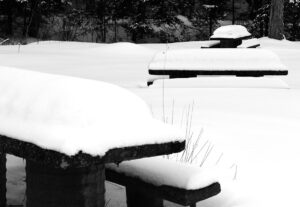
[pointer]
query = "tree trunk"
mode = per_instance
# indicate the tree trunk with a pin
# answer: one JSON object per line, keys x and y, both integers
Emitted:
{"x": 9, "y": 13}
{"x": 2, "y": 179}
{"x": 276, "y": 26}
{"x": 233, "y": 11}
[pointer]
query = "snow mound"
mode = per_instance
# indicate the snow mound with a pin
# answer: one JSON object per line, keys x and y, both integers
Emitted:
{"x": 231, "y": 31}
{"x": 63, "y": 45}
{"x": 216, "y": 59}
{"x": 222, "y": 82}
{"x": 69, "y": 114}
{"x": 159, "y": 171}
{"x": 125, "y": 48}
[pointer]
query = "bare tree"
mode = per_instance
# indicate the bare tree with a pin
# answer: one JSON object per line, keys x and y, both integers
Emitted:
{"x": 276, "y": 26}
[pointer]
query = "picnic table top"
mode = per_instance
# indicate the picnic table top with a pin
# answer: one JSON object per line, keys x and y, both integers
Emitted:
{"x": 56, "y": 159}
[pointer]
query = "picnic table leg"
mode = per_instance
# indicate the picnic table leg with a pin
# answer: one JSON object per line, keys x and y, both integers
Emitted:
{"x": 2, "y": 179}
{"x": 72, "y": 187}
{"x": 136, "y": 198}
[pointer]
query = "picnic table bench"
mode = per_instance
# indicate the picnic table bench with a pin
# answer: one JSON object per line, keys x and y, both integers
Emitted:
{"x": 57, "y": 123}
{"x": 216, "y": 62}
{"x": 150, "y": 181}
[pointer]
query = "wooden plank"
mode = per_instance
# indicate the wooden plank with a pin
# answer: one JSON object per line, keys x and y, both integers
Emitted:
{"x": 56, "y": 159}
{"x": 177, "y": 195}
{"x": 2, "y": 179}
{"x": 254, "y": 46}
{"x": 193, "y": 73}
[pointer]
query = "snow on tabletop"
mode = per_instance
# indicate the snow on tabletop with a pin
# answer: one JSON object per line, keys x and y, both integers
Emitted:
{"x": 69, "y": 114}
{"x": 222, "y": 82}
{"x": 231, "y": 32}
{"x": 216, "y": 59}
{"x": 159, "y": 171}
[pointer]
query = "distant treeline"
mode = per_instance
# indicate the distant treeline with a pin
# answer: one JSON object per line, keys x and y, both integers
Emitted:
{"x": 136, "y": 20}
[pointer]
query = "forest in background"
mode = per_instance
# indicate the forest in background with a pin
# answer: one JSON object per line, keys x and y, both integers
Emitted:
{"x": 137, "y": 20}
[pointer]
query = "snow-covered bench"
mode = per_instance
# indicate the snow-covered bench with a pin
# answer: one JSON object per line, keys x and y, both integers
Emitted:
{"x": 211, "y": 44}
{"x": 149, "y": 181}
{"x": 250, "y": 43}
{"x": 237, "y": 62}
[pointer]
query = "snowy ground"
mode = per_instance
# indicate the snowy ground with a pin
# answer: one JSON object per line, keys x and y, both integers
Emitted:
{"x": 254, "y": 130}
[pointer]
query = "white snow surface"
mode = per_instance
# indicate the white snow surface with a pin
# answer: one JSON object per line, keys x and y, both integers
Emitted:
{"x": 69, "y": 114}
{"x": 160, "y": 171}
{"x": 221, "y": 82}
{"x": 256, "y": 129}
{"x": 216, "y": 59}
{"x": 231, "y": 31}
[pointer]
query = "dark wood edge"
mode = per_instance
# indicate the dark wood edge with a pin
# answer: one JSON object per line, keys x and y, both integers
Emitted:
{"x": 185, "y": 73}
{"x": 173, "y": 194}
{"x": 56, "y": 159}
{"x": 254, "y": 46}
{"x": 232, "y": 39}
{"x": 188, "y": 197}
{"x": 2, "y": 179}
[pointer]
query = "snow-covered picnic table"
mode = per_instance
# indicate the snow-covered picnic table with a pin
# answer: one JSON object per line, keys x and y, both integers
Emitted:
{"x": 67, "y": 129}
{"x": 230, "y": 36}
{"x": 237, "y": 62}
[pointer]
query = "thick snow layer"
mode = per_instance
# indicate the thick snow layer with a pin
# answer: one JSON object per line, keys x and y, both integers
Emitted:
{"x": 231, "y": 31}
{"x": 159, "y": 171}
{"x": 216, "y": 59}
{"x": 71, "y": 114}
{"x": 221, "y": 82}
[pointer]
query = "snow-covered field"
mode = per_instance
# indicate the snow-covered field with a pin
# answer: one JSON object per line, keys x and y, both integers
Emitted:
{"x": 253, "y": 126}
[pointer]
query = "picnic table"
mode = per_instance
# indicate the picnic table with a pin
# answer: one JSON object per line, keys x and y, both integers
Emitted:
{"x": 187, "y": 63}
{"x": 54, "y": 179}
{"x": 230, "y": 36}
{"x": 53, "y": 123}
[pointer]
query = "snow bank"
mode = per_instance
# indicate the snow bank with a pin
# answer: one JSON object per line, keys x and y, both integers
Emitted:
{"x": 69, "y": 114}
{"x": 222, "y": 82}
{"x": 159, "y": 171}
{"x": 125, "y": 48}
{"x": 216, "y": 59}
{"x": 231, "y": 31}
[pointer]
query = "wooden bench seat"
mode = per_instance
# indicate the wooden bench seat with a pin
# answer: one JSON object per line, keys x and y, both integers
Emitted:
{"x": 250, "y": 43}
{"x": 141, "y": 191}
{"x": 211, "y": 44}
